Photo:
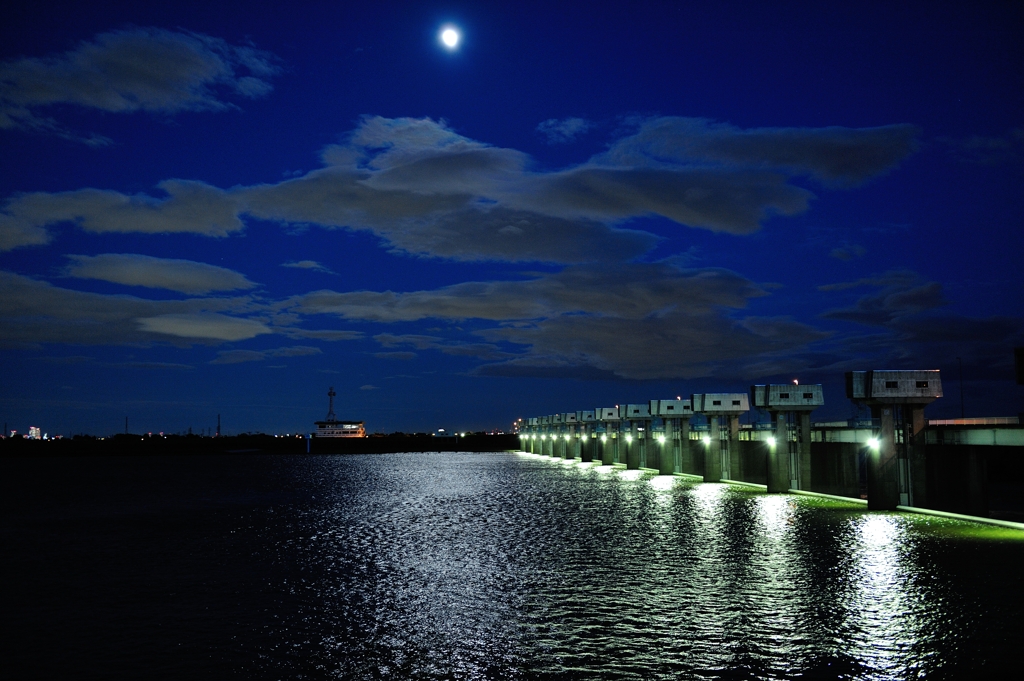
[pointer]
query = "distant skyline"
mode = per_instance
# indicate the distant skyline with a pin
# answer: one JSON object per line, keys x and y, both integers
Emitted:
{"x": 207, "y": 210}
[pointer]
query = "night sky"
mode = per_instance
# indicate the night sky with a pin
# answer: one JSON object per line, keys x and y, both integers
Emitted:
{"x": 224, "y": 209}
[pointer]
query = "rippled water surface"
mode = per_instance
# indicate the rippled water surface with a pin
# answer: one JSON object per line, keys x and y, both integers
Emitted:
{"x": 481, "y": 566}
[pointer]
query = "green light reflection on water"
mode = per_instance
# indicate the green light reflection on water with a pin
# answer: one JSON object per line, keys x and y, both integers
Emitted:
{"x": 783, "y": 583}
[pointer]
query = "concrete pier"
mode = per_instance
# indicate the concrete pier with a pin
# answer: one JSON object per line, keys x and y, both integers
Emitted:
{"x": 897, "y": 399}
{"x": 732, "y": 463}
{"x": 804, "y": 457}
{"x": 778, "y": 456}
{"x": 587, "y": 442}
{"x": 667, "y": 449}
{"x": 633, "y": 417}
{"x": 790, "y": 465}
{"x": 607, "y": 446}
{"x": 687, "y": 451}
{"x": 674, "y": 454}
{"x": 713, "y": 452}
{"x": 609, "y": 418}
{"x": 883, "y": 482}
{"x": 632, "y": 448}
{"x": 714, "y": 406}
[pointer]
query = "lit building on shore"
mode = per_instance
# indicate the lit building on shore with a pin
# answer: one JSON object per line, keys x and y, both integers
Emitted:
{"x": 332, "y": 427}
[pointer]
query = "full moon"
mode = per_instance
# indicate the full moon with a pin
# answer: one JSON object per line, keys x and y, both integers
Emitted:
{"x": 450, "y": 37}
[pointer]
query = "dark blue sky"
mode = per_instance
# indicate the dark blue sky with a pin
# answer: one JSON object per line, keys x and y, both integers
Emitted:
{"x": 214, "y": 208}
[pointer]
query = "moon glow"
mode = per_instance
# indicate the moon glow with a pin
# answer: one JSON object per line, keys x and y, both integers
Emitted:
{"x": 450, "y": 37}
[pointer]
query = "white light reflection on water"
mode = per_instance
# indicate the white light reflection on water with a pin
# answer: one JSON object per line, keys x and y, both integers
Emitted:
{"x": 881, "y": 607}
{"x": 708, "y": 498}
{"x": 662, "y": 483}
{"x": 487, "y": 566}
{"x": 775, "y": 515}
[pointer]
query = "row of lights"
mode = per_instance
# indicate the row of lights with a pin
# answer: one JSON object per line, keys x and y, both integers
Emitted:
{"x": 873, "y": 442}
{"x": 629, "y": 438}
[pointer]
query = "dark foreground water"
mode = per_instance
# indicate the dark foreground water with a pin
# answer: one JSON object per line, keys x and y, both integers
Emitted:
{"x": 480, "y": 566}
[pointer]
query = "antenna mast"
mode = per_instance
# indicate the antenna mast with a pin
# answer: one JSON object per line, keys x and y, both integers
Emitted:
{"x": 330, "y": 408}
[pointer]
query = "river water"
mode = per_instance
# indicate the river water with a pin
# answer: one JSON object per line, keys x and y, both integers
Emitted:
{"x": 480, "y": 566}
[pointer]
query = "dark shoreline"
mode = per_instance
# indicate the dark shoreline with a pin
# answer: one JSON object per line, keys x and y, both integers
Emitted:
{"x": 141, "y": 445}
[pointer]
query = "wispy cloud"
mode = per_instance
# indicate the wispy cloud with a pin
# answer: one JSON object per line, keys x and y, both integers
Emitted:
{"x": 132, "y": 269}
{"x": 322, "y": 334}
{"x": 240, "y": 356}
{"x": 398, "y": 354}
{"x": 565, "y": 130}
{"x": 987, "y": 149}
{"x": 630, "y": 291}
{"x": 307, "y": 265}
{"x": 847, "y": 251}
{"x": 156, "y": 365}
{"x": 486, "y": 351}
{"x": 33, "y": 311}
{"x": 426, "y": 190}
{"x": 834, "y": 155}
{"x": 899, "y": 293}
{"x": 184, "y": 207}
{"x": 908, "y": 324}
{"x": 629, "y": 320}
{"x": 138, "y": 69}
{"x": 204, "y": 325}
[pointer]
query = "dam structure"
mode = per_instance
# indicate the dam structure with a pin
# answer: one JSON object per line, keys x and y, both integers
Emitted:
{"x": 894, "y": 460}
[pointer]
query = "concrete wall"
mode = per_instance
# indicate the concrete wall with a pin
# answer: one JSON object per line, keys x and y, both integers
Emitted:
{"x": 835, "y": 468}
{"x": 748, "y": 461}
{"x": 957, "y": 478}
{"x": 954, "y": 478}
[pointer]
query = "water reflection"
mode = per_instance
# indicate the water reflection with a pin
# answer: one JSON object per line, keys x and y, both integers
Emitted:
{"x": 519, "y": 566}
{"x": 775, "y": 515}
{"x": 881, "y": 607}
{"x": 662, "y": 484}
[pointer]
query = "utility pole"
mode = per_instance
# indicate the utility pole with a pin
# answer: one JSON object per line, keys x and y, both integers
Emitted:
{"x": 125, "y": 425}
{"x": 218, "y": 425}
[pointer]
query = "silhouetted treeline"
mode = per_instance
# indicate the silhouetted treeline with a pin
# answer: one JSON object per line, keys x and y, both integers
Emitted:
{"x": 129, "y": 444}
